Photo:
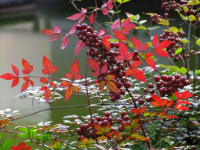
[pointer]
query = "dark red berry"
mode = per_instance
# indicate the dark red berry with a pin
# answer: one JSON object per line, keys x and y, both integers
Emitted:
{"x": 157, "y": 78}
{"x": 150, "y": 85}
{"x": 79, "y": 131}
{"x": 126, "y": 117}
{"x": 141, "y": 101}
{"x": 119, "y": 120}
{"x": 177, "y": 76}
{"x": 107, "y": 114}
{"x": 98, "y": 118}
{"x": 164, "y": 77}
{"x": 127, "y": 85}
{"x": 123, "y": 113}
{"x": 121, "y": 128}
{"x": 80, "y": 137}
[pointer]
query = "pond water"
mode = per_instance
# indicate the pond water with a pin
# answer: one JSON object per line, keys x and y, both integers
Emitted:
{"x": 20, "y": 37}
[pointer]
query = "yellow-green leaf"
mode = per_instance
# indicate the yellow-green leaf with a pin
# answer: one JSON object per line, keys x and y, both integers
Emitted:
{"x": 141, "y": 27}
{"x": 185, "y": 8}
{"x": 174, "y": 30}
{"x": 178, "y": 50}
{"x": 184, "y": 40}
{"x": 192, "y": 17}
{"x": 193, "y": 2}
{"x": 164, "y": 22}
{"x": 198, "y": 42}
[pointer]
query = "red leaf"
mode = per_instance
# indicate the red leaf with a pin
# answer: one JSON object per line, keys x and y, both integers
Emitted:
{"x": 69, "y": 76}
{"x": 102, "y": 84}
{"x": 79, "y": 46}
{"x": 126, "y": 26}
{"x": 105, "y": 11}
{"x": 66, "y": 84}
{"x": 158, "y": 47}
{"x": 170, "y": 103}
{"x": 135, "y": 64}
{"x": 73, "y": 29}
{"x": 31, "y": 82}
{"x": 47, "y": 32}
{"x": 24, "y": 86}
{"x": 138, "y": 74}
{"x": 101, "y": 32}
{"x": 94, "y": 65}
{"x": 91, "y": 18}
{"x": 75, "y": 16}
{"x": 75, "y": 68}
{"x": 44, "y": 80}
{"x": 21, "y": 146}
{"x": 55, "y": 37}
{"x": 53, "y": 85}
{"x": 68, "y": 93}
{"x": 123, "y": 50}
{"x": 138, "y": 44}
{"x": 65, "y": 42}
{"x": 149, "y": 60}
{"x": 15, "y": 82}
{"x": 116, "y": 24}
{"x": 104, "y": 69}
{"x": 7, "y": 76}
{"x": 43, "y": 88}
{"x": 78, "y": 76}
{"x": 158, "y": 102}
{"x": 47, "y": 94}
{"x": 112, "y": 87}
{"x": 53, "y": 69}
{"x": 181, "y": 108}
{"x": 109, "y": 77}
{"x": 57, "y": 29}
{"x": 119, "y": 35}
{"x": 15, "y": 70}
{"x": 80, "y": 16}
{"x": 46, "y": 63}
{"x": 28, "y": 68}
{"x": 106, "y": 43}
{"x": 183, "y": 95}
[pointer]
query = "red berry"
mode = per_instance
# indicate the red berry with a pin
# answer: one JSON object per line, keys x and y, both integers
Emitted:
{"x": 105, "y": 122}
{"x": 141, "y": 101}
{"x": 150, "y": 85}
{"x": 107, "y": 114}
{"x": 177, "y": 76}
{"x": 80, "y": 137}
{"x": 164, "y": 77}
{"x": 127, "y": 85}
{"x": 157, "y": 78}
{"x": 123, "y": 113}
{"x": 98, "y": 118}
{"x": 79, "y": 131}
{"x": 126, "y": 117}
{"x": 121, "y": 128}
{"x": 119, "y": 120}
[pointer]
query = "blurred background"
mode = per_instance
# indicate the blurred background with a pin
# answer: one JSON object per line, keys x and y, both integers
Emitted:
{"x": 20, "y": 37}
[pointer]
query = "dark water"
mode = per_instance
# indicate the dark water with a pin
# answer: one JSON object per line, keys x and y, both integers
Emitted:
{"x": 20, "y": 37}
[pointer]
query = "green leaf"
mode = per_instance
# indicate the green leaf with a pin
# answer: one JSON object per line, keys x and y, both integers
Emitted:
{"x": 173, "y": 97}
{"x": 183, "y": 70}
{"x": 197, "y": 72}
{"x": 24, "y": 130}
{"x": 0, "y": 135}
{"x": 21, "y": 135}
{"x": 32, "y": 133}
{"x": 183, "y": 122}
{"x": 111, "y": 11}
{"x": 178, "y": 50}
{"x": 192, "y": 17}
{"x": 199, "y": 19}
{"x": 136, "y": 17}
{"x": 174, "y": 68}
{"x": 174, "y": 30}
{"x": 152, "y": 28}
{"x": 119, "y": 1}
{"x": 164, "y": 22}
{"x": 7, "y": 144}
{"x": 198, "y": 41}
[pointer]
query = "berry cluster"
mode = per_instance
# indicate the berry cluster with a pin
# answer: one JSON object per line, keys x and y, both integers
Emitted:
{"x": 155, "y": 19}
{"x": 123, "y": 120}
{"x": 86, "y": 130}
{"x": 170, "y": 36}
{"x": 106, "y": 57}
{"x": 166, "y": 85}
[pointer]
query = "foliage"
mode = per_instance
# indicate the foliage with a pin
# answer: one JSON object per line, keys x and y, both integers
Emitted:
{"x": 163, "y": 114}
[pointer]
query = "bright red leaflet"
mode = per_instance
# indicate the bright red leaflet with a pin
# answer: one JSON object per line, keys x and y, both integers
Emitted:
{"x": 119, "y": 35}
{"x": 69, "y": 90}
{"x": 96, "y": 68}
{"x": 149, "y": 60}
{"x": 25, "y": 85}
{"x": 48, "y": 69}
{"x": 158, "y": 102}
{"x": 49, "y": 32}
{"x": 137, "y": 73}
{"x": 126, "y": 26}
{"x": 47, "y": 93}
{"x": 79, "y": 46}
{"x": 183, "y": 95}
{"x": 124, "y": 55}
{"x": 21, "y": 146}
{"x": 139, "y": 111}
{"x": 91, "y": 18}
{"x": 158, "y": 47}
{"x": 115, "y": 24}
{"x": 78, "y": 16}
{"x": 138, "y": 45}
{"x": 108, "y": 4}
{"x": 9, "y": 76}
{"x": 106, "y": 43}
{"x": 65, "y": 39}
{"x": 74, "y": 72}
{"x": 110, "y": 84}
{"x": 27, "y": 68}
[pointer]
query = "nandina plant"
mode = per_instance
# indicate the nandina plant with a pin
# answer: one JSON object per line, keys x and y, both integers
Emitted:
{"x": 130, "y": 114}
